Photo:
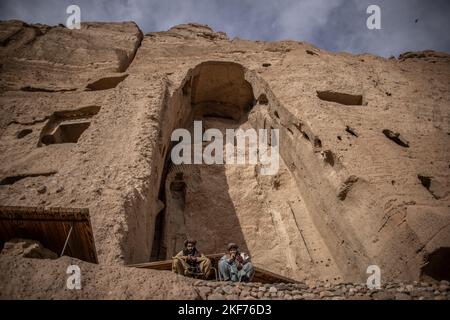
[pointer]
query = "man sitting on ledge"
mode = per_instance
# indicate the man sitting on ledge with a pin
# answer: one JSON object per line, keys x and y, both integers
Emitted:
{"x": 235, "y": 266}
{"x": 190, "y": 262}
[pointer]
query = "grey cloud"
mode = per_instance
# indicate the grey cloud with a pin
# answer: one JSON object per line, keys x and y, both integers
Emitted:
{"x": 338, "y": 25}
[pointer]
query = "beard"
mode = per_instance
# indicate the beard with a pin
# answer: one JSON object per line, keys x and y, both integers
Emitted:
{"x": 190, "y": 252}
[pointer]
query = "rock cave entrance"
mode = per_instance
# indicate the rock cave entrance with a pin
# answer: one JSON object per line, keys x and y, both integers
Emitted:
{"x": 67, "y": 126}
{"x": 196, "y": 196}
{"x": 221, "y": 203}
{"x": 66, "y": 133}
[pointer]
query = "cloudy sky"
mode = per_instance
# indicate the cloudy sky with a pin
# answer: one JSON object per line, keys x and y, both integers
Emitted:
{"x": 337, "y": 25}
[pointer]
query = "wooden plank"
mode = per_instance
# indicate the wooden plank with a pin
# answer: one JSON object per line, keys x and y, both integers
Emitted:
{"x": 261, "y": 275}
{"x": 167, "y": 264}
{"x": 41, "y": 213}
{"x": 266, "y": 276}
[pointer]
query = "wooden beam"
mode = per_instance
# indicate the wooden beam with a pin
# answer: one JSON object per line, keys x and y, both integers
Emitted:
{"x": 261, "y": 275}
{"x": 167, "y": 264}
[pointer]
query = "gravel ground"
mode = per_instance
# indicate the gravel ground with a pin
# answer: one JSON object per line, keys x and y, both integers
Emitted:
{"x": 208, "y": 290}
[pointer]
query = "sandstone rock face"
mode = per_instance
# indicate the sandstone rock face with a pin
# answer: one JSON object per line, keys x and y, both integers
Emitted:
{"x": 47, "y": 279}
{"x": 40, "y": 58}
{"x": 86, "y": 118}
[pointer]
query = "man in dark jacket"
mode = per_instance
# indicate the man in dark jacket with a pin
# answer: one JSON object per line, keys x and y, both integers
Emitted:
{"x": 190, "y": 262}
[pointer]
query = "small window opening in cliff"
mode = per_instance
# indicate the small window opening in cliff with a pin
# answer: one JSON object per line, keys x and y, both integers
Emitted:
{"x": 66, "y": 133}
{"x": 426, "y": 181}
{"x": 341, "y": 98}
{"x": 351, "y": 131}
{"x": 328, "y": 157}
{"x": 396, "y": 137}
{"x": 22, "y": 133}
{"x": 262, "y": 99}
{"x": 67, "y": 126}
{"x": 432, "y": 185}
{"x": 305, "y": 135}
{"x": 317, "y": 143}
{"x": 106, "y": 83}
{"x": 437, "y": 265}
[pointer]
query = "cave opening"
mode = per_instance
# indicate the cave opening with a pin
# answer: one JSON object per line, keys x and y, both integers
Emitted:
{"x": 66, "y": 133}
{"x": 196, "y": 198}
{"x": 67, "y": 126}
{"x": 437, "y": 265}
{"x": 221, "y": 203}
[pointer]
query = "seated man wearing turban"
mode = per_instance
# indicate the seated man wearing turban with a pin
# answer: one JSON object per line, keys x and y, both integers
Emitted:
{"x": 236, "y": 266}
{"x": 190, "y": 262}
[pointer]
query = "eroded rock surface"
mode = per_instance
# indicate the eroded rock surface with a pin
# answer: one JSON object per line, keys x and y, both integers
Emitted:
{"x": 346, "y": 196}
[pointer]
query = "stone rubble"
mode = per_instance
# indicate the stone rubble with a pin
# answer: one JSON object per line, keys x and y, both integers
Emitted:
{"x": 214, "y": 290}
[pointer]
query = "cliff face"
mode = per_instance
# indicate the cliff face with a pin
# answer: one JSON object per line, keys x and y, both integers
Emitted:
{"x": 87, "y": 115}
